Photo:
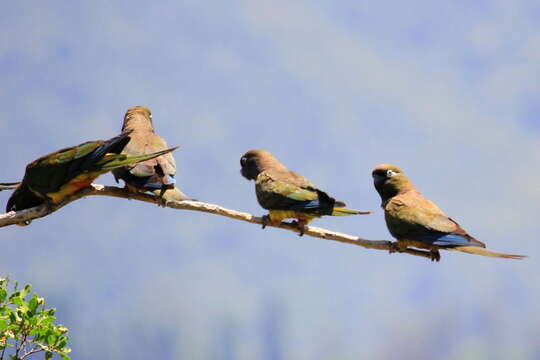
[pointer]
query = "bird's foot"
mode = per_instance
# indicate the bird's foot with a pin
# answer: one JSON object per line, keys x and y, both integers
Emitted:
{"x": 161, "y": 202}
{"x": 301, "y": 225}
{"x": 435, "y": 255}
{"x": 161, "y": 192}
{"x": 24, "y": 223}
{"x": 394, "y": 247}
{"x": 265, "y": 220}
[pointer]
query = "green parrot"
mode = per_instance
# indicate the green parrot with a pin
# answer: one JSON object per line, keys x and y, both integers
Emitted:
{"x": 156, "y": 175}
{"x": 417, "y": 222}
{"x": 286, "y": 194}
{"x": 53, "y": 177}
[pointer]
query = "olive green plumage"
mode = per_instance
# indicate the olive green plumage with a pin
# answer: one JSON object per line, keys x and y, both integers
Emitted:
{"x": 287, "y": 194}
{"x": 156, "y": 175}
{"x": 54, "y": 176}
{"x": 407, "y": 213}
{"x": 417, "y": 222}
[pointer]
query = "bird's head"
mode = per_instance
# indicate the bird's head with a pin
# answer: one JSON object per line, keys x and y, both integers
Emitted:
{"x": 23, "y": 198}
{"x": 389, "y": 181}
{"x": 255, "y": 161}
{"x": 138, "y": 118}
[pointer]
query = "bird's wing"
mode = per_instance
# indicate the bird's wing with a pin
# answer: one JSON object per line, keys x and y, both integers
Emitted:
{"x": 279, "y": 190}
{"x": 166, "y": 162}
{"x": 141, "y": 144}
{"x": 66, "y": 154}
{"x": 413, "y": 216}
{"x": 413, "y": 208}
{"x": 50, "y": 172}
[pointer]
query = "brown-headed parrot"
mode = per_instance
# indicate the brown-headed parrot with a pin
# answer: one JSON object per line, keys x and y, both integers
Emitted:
{"x": 53, "y": 177}
{"x": 417, "y": 222}
{"x": 286, "y": 194}
{"x": 156, "y": 175}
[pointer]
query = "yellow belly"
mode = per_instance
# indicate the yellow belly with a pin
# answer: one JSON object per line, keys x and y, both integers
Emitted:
{"x": 279, "y": 215}
{"x": 73, "y": 186}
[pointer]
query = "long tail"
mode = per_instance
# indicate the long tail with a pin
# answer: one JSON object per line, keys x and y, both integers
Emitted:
{"x": 112, "y": 161}
{"x": 8, "y": 186}
{"x": 341, "y": 211}
{"x": 484, "y": 252}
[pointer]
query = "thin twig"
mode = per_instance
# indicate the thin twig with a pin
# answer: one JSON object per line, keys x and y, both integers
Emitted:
{"x": 13, "y": 217}
{"x": 30, "y": 352}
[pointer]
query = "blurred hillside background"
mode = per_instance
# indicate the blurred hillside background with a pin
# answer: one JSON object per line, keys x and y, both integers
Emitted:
{"x": 446, "y": 90}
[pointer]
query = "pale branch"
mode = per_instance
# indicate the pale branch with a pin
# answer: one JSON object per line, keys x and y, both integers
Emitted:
{"x": 14, "y": 217}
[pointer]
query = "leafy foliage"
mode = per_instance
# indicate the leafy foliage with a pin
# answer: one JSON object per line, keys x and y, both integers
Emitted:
{"x": 27, "y": 327}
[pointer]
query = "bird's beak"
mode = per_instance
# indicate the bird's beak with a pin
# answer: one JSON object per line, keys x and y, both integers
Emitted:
{"x": 378, "y": 179}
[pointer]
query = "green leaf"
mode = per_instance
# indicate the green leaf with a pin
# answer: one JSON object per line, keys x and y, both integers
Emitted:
{"x": 51, "y": 339}
{"x": 26, "y": 317}
{"x": 15, "y": 294}
{"x": 17, "y": 300}
{"x": 33, "y": 304}
{"x": 14, "y": 318}
{"x": 62, "y": 342}
{"x": 26, "y": 290}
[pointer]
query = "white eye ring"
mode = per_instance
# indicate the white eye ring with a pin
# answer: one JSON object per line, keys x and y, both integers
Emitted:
{"x": 390, "y": 173}
{"x": 150, "y": 116}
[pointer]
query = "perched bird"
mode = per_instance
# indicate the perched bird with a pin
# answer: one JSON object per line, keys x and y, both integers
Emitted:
{"x": 417, "y": 222}
{"x": 156, "y": 175}
{"x": 286, "y": 194}
{"x": 8, "y": 186}
{"x": 53, "y": 177}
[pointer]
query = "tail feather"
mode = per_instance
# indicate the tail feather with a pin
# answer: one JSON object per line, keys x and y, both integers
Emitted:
{"x": 113, "y": 161}
{"x": 114, "y": 145}
{"x": 484, "y": 252}
{"x": 340, "y": 211}
{"x": 8, "y": 186}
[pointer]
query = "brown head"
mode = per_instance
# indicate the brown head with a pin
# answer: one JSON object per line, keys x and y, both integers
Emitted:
{"x": 390, "y": 181}
{"x": 256, "y": 161}
{"x": 138, "y": 118}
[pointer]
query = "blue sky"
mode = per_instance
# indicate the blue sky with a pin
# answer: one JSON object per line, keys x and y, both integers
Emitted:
{"x": 448, "y": 92}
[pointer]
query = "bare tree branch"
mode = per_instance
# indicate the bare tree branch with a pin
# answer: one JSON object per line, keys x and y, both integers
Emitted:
{"x": 14, "y": 217}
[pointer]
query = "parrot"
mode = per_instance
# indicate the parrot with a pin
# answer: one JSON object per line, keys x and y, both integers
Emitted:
{"x": 156, "y": 175}
{"x": 53, "y": 177}
{"x": 415, "y": 221}
{"x": 286, "y": 194}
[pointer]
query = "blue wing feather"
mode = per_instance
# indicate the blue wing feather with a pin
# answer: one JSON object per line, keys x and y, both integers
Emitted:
{"x": 449, "y": 240}
{"x": 304, "y": 205}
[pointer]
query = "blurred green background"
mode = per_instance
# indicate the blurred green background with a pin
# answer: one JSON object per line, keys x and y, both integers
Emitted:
{"x": 446, "y": 90}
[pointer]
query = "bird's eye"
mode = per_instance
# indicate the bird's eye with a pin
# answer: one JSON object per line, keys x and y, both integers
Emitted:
{"x": 150, "y": 116}
{"x": 243, "y": 161}
{"x": 390, "y": 173}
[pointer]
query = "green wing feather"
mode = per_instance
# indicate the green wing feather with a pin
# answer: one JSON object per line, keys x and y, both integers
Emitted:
{"x": 291, "y": 191}
{"x": 277, "y": 190}
{"x": 118, "y": 160}
{"x": 67, "y": 154}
